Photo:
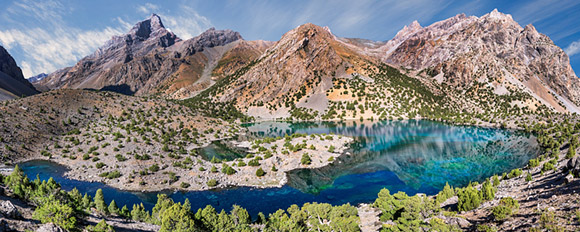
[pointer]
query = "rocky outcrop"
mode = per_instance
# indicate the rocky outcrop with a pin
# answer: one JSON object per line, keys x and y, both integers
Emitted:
{"x": 9, "y": 210}
{"x": 12, "y": 82}
{"x": 49, "y": 227}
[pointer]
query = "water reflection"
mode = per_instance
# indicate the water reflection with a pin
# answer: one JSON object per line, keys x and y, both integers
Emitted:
{"x": 422, "y": 154}
{"x": 410, "y": 156}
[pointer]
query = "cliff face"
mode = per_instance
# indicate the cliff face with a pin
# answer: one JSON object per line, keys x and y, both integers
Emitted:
{"x": 490, "y": 49}
{"x": 148, "y": 60}
{"x": 12, "y": 82}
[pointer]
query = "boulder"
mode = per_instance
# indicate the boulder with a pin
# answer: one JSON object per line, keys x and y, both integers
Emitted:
{"x": 49, "y": 227}
{"x": 9, "y": 210}
{"x": 569, "y": 178}
{"x": 461, "y": 222}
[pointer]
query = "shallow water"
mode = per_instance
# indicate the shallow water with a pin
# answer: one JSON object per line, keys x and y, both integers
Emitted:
{"x": 414, "y": 156}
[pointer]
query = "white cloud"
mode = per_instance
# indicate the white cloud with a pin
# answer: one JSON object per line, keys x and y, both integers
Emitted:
{"x": 50, "y": 44}
{"x": 148, "y": 8}
{"x": 187, "y": 23}
{"x": 573, "y": 48}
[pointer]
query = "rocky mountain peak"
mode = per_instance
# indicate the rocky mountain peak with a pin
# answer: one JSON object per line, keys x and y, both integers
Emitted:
{"x": 496, "y": 15}
{"x": 151, "y": 27}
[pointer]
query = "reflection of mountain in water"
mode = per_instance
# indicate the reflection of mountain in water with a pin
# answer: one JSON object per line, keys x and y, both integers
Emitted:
{"x": 421, "y": 153}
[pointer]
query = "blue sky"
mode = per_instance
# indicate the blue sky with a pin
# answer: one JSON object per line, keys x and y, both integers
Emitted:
{"x": 46, "y": 35}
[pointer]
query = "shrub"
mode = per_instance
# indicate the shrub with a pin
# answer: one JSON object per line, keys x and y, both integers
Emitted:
{"x": 305, "y": 159}
{"x": 445, "y": 194}
{"x": 487, "y": 191}
{"x": 254, "y": 163}
{"x": 529, "y": 177}
{"x": 468, "y": 199}
{"x": 571, "y": 153}
{"x": 227, "y": 169}
{"x": 100, "y": 165}
{"x": 533, "y": 163}
{"x": 507, "y": 207}
{"x": 260, "y": 172}
{"x": 495, "y": 179}
{"x": 212, "y": 183}
{"x": 185, "y": 185}
{"x": 56, "y": 212}
{"x": 548, "y": 166}
{"x": 515, "y": 173}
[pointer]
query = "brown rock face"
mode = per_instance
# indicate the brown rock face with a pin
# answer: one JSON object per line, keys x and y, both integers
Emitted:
{"x": 148, "y": 60}
{"x": 12, "y": 82}
{"x": 489, "y": 48}
{"x": 308, "y": 53}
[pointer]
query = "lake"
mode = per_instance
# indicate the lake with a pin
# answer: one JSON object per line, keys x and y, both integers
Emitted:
{"x": 413, "y": 156}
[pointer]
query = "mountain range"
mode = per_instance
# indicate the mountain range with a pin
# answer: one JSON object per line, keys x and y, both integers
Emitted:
{"x": 476, "y": 64}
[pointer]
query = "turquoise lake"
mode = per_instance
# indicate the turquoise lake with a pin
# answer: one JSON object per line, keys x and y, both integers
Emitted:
{"x": 414, "y": 156}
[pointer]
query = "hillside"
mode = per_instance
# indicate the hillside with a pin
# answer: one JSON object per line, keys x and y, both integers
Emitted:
{"x": 421, "y": 73}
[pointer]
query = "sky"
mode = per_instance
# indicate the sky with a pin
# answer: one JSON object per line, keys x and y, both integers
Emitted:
{"x": 46, "y": 35}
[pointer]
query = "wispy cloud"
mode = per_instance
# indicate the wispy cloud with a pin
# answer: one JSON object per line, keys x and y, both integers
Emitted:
{"x": 52, "y": 44}
{"x": 187, "y": 23}
{"x": 573, "y": 48}
{"x": 148, "y": 8}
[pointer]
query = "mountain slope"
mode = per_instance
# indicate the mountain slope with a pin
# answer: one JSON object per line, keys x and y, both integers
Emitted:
{"x": 149, "y": 60}
{"x": 492, "y": 50}
{"x": 12, "y": 82}
{"x": 463, "y": 67}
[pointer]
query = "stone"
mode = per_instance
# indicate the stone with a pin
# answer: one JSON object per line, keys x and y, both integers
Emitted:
{"x": 569, "y": 178}
{"x": 9, "y": 210}
{"x": 49, "y": 227}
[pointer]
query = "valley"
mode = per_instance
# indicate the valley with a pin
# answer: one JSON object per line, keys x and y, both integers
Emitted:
{"x": 469, "y": 123}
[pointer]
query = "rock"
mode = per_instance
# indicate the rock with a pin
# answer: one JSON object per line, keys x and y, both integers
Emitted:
{"x": 49, "y": 227}
{"x": 461, "y": 222}
{"x": 9, "y": 210}
{"x": 569, "y": 178}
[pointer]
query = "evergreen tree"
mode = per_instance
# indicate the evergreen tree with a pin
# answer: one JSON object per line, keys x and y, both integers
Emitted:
{"x": 487, "y": 191}
{"x": 100, "y": 202}
{"x": 113, "y": 208}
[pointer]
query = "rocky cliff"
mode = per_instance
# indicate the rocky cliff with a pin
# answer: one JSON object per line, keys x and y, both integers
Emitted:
{"x": 12, "y": 82}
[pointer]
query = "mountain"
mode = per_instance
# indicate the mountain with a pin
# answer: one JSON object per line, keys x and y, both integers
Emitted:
{"x": 37, "y": 78}
{"x": 491, "y": 50}
{"x": 307, "y": 55}
{"x": 488, "y": 66}
{"x": 150, "y": 59}
{"x": 12, "y": 82}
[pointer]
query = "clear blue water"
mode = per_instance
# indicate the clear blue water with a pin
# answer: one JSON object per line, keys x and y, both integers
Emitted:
{"x": 414, "y": 156}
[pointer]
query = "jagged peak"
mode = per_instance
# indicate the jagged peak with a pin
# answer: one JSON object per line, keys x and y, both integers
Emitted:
{"x": 496, "y": 15}
{"x": 146, "y": 27}
{"x": 530, "y": 28}
{"x": 409, "y": 30}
